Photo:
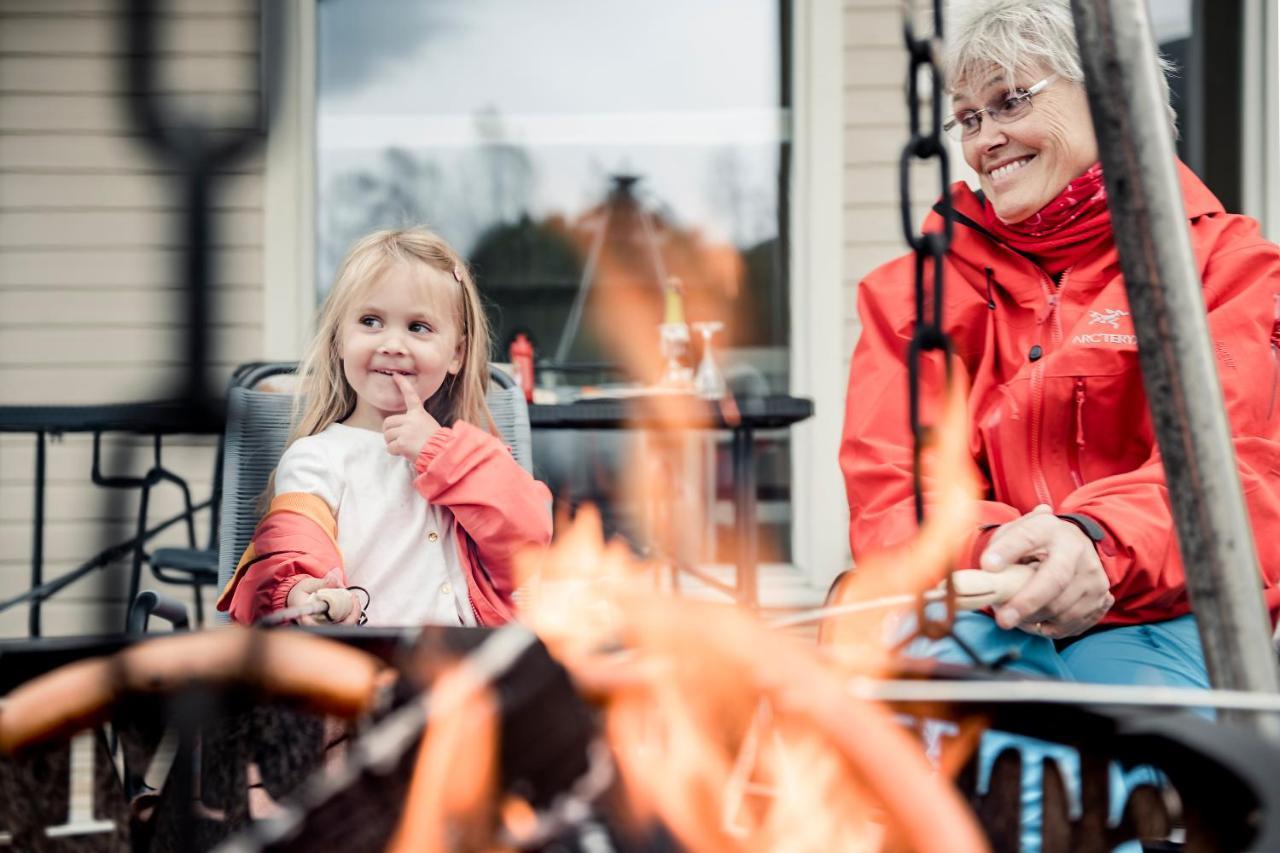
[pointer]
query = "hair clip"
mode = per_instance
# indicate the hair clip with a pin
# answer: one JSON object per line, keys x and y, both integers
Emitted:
{"x": 457, "y": 273}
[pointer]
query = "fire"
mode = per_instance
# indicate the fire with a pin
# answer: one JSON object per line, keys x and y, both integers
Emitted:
{"x": 732, "y": 736}
{"x": 450, "y": 803}
{"x": 951, "y": 492}
{"x": 729, "y": 734}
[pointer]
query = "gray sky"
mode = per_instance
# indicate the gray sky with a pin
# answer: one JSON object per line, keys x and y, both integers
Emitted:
{"x": 558, "y": 56}
{"x": 663, "y": 88}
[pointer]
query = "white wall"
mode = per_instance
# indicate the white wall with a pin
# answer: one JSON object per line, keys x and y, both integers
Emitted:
{"x": 819, "y": 512}
{"x": 875, "y": 130}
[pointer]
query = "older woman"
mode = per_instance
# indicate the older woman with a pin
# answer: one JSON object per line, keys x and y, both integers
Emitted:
{"x": 1036, "y": 306}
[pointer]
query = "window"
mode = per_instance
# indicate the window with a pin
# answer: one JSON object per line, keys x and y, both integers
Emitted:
{"x": 1205, "y": 42}
{"x": 516, "y": 129}
{"x": 508, "y": 126}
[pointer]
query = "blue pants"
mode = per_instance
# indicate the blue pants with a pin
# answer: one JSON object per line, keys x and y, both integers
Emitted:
{"x": 1160, "y": 653}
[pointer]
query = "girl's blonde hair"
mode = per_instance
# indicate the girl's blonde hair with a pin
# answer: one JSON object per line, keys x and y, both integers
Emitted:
{"x": 324, "y": 395}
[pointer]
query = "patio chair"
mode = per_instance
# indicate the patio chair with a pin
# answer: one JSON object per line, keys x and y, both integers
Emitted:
{"x": 511, "y": 414}
{"x": 258, "y": 424}
{"x": 196, "y": 567}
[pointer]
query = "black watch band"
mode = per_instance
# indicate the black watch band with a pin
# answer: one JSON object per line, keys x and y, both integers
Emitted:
{"x": 1091, "y": 528}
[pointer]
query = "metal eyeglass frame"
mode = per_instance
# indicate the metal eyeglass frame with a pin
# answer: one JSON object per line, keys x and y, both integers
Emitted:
{"x": 995, "y": 111}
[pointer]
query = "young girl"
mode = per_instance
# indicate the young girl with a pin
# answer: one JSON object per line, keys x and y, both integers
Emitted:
{"x": 419, "y": 503}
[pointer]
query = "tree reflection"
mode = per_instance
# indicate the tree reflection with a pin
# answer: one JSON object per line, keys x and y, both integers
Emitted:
{"x": 530, "y": 267}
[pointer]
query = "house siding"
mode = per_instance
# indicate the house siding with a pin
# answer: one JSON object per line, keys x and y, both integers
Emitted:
{"x": 90, "y": 259}
{"x": 88, "y": 256}
{"x": 876, "y": 129}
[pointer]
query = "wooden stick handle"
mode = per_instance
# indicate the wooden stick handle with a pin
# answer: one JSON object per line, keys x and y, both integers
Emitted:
{"x": 339, "y": 601}
{"x": 976, "y": 589}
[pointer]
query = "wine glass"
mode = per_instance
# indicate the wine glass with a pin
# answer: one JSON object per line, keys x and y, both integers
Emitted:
{"x": 708, "y": 382}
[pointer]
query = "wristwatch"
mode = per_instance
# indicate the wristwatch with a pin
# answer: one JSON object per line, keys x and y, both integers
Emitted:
{"x": 1091, "y": 528}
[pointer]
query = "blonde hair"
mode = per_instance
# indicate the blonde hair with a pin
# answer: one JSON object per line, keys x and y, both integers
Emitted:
{"x": 325, "y": 397}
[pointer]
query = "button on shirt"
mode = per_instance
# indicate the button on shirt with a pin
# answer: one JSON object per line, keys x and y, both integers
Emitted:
{"x": 393, "y": 542}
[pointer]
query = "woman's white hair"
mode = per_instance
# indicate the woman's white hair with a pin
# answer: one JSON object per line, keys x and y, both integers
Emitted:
{"x": 1020, "y": 37}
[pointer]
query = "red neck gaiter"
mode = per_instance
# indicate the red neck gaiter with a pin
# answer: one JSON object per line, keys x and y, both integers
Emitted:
{"x": 1063, "y": 231}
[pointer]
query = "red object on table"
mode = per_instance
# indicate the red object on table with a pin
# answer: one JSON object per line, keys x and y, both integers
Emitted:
{"x": 521, "y": 353}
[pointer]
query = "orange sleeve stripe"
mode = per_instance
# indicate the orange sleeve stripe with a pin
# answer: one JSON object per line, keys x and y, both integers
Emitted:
{"x": 308, "y": 506}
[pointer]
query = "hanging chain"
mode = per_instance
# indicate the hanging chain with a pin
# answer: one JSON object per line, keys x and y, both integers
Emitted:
{"x": 929, "y": 334}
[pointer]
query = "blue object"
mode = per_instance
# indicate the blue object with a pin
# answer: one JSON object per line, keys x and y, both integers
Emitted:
{"x": 1166, "y": 654}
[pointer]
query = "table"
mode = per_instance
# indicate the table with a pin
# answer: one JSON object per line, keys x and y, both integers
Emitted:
{"x": 154, "y": 418}
{"x": 742, "y": 416}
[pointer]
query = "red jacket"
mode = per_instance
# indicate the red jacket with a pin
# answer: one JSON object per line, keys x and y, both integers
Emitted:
{"x": 1070, "y": 428}
{"x": 498, "y": 509}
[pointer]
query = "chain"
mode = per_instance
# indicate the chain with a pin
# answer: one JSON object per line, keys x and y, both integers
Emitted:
{"x": 928, "y": 334}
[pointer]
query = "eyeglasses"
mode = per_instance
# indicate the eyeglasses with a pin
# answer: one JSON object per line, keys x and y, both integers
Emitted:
{"x": 1008, "y": 107}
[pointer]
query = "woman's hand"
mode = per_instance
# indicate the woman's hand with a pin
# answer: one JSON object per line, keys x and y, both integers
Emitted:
{"x": 308, "y": 589}
{"x": 1068, "y": 593}
{"x": 407, "y": 434}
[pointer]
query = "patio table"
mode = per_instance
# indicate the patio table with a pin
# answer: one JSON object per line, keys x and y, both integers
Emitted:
{"x": 742, "y": 418}
{"x": 156, "y": 418}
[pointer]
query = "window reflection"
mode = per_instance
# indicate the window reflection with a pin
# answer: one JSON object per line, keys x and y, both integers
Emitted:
{"x": 516, "y": 129}
{"x": 507, "y": 126}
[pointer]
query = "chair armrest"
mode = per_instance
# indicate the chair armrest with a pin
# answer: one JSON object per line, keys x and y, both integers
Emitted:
{"x": 150, "y": 603}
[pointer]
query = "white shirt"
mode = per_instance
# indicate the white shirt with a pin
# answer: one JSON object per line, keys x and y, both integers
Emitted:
{"x": 394, "y": 543}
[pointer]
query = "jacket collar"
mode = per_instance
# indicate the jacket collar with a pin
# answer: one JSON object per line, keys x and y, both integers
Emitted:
{"x": 975, "y": 246}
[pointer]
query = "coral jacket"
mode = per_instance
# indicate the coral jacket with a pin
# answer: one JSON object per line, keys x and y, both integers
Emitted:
{"x": 499, "y": 509}
{"x": 1057, "y": 409}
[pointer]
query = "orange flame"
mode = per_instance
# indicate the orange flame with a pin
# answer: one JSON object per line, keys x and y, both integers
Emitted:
{"x": 733, "y": 736}
{"x": 951, "y": 492}
{"x": 450, "y": 803}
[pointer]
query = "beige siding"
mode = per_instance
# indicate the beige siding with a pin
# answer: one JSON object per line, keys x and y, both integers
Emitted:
{"x": 90, "y": 271}
{"x": 875, "y": 132}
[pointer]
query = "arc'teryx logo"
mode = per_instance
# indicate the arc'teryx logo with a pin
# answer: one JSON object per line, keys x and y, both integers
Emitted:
{"x": 1110, "y": 317}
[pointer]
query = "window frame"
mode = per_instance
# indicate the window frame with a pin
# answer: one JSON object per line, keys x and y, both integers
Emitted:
{"x": 289, "y": 183}
{"x": 815, "y": 215}
{"x": 1260, "y": 95}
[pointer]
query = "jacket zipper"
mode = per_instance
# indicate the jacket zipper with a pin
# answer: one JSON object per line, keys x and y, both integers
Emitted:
{"x": 467, "y": 569}
{"x": 1275, "y": 357}
{"x": 1076, "y": 450}
{"x": 1053, "y": 295}
{"x": 1037, "y": 410}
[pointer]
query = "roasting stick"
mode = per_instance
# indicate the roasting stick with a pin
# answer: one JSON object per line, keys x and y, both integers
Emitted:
{"x": 975, "y": 589}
